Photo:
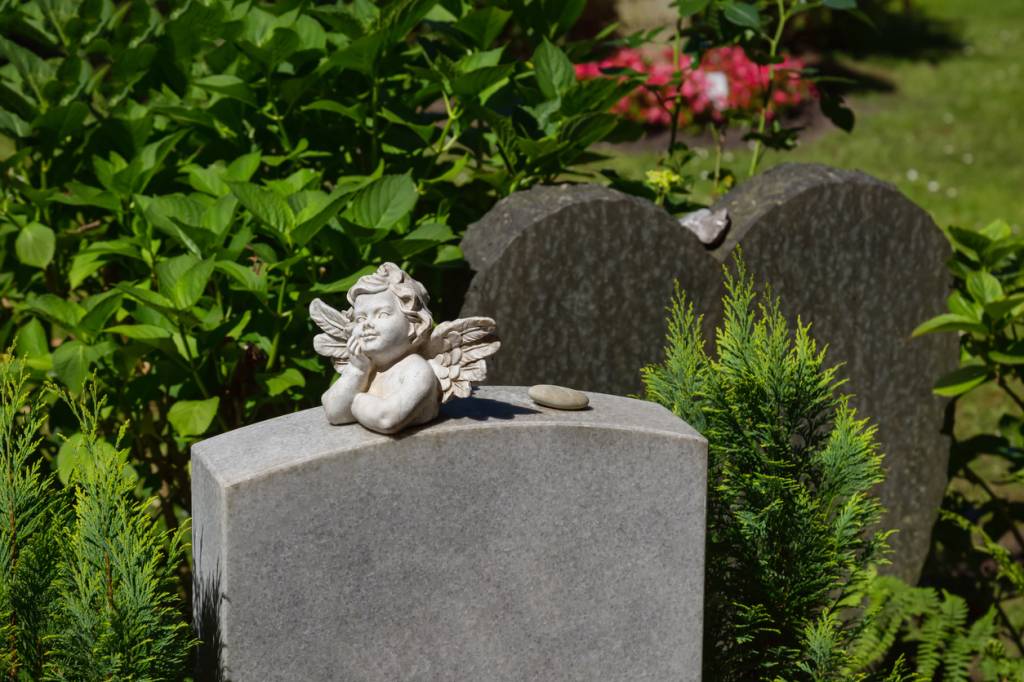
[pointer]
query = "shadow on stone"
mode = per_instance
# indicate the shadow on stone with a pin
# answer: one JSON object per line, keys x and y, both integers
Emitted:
{"x": 207, "y": 598}
{"x": 483, "y": 409}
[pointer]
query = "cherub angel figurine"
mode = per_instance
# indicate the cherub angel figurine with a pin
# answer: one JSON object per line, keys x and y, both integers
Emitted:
{"x": 396, "y": 367}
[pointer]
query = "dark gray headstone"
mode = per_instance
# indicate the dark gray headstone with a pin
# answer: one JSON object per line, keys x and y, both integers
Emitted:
{"x": 578, "y": 278}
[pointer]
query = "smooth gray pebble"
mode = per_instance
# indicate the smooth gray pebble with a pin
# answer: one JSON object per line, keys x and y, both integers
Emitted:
{"x": 558, "y": 397}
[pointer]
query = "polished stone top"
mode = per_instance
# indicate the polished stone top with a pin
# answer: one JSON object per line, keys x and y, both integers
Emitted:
{"x": 270, "y": 446}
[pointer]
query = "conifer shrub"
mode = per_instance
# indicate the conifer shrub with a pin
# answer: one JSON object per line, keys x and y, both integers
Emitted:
{"x": 791, "y": 521}
{"x": 31, "y": 514}
{"x": 87, "y": 587}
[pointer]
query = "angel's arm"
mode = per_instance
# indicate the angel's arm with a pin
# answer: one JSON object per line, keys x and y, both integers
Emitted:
{"x": 337, "y": 400}
{"x": 354, "y": 379}
{"x": 393, "y": 413}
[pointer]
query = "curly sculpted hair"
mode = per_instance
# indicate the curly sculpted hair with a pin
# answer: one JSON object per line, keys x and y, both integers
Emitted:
{"x": 412, "y": 297}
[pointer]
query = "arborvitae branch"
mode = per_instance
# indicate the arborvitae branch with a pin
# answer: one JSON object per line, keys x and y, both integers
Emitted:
{"x": 790, "y": 512}
{"x": 792, "y": 521}
{"x": 88, "y": 598}
{"x": 30, "y": 514}
{"x": 118, "y": 612}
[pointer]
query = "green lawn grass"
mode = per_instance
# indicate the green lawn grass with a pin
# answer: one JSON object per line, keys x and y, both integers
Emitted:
{"x": 949, "y": 135}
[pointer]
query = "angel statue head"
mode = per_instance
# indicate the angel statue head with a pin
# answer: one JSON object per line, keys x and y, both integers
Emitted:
{"x": 396, "y": 367}
{"x": 390, "y": 294}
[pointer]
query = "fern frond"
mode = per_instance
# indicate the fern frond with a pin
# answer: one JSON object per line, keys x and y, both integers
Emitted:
{"x": 937, "y": 627}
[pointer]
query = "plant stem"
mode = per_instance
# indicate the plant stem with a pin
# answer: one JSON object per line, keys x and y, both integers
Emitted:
{"x": 195, "y": 373}
{"x": 508, "y": 163}
{"x": 13, "y": 642}
{"x": 718, "y": 156}
{"x": 1001, "y": 380}
{"x": 441, "y": 146}
{"x": 375, "y": 136}
{"x": 274, "y": 115}
{"x": 108, "y": 578}
{"x": 975, "y": 478}
{"x": 191, "y": 361}
{"x": 44, "y": 169}
{"x": 272, "y": 357}
{"x": 1014, "y": 632}
{"x": 282, "y": 134}
{"x": 772, "y": 52}
{"x": 56, "y": 24}
{"x": 677, "y": 101}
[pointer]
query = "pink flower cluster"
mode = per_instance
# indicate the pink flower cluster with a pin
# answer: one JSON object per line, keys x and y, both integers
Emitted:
{"x": 725, "y": 84}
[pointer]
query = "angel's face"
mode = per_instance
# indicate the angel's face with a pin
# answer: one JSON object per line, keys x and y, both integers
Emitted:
{"x": 381, "y": 326}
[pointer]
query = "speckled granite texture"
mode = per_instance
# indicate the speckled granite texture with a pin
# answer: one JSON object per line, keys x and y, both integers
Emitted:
{"x": 578, "y": 279}
{"x": 506, "y": 541}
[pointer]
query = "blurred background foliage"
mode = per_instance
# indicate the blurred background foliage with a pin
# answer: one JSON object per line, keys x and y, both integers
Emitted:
{"x": 936, "y": 89}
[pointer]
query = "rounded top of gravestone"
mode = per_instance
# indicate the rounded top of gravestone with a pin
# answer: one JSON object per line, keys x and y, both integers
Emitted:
{"x": 488, "y": 238}
{"x": 276, "y": 445}
{"x": 750, "y": 202}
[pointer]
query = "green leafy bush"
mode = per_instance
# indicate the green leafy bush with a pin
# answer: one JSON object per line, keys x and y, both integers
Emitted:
{"x": 87, "y": 588}
{"x": 182, "y": 178}
{"x": 986, "y": 309}
{"x": 791, "y": 524}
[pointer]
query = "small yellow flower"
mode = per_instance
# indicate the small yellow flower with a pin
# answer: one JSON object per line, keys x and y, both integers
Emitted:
{"x": 662, "y": 180}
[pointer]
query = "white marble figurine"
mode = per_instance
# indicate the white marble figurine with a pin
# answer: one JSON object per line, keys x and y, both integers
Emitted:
{"x": 396, "y": 367}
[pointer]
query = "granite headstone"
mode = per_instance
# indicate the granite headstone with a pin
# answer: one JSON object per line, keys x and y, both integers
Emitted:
{"x": 507, "y": 541}
{"x": 591, "y": 270}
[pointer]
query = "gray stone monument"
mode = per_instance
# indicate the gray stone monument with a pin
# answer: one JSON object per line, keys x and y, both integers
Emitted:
{"x": 592, "y": 269}
{"x": 507, "y": 541}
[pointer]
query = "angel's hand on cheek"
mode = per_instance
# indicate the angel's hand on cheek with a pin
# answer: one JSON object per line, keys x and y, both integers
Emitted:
{"x": 356, "y": 357}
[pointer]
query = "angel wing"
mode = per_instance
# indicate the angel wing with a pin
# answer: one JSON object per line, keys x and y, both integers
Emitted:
{"x": 457, "y": 352}
{"x": 337, "y": 326}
